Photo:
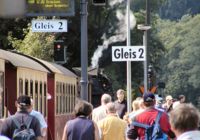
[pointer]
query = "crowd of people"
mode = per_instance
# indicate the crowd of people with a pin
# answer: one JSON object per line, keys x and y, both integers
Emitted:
{"x": 111, "y": 121}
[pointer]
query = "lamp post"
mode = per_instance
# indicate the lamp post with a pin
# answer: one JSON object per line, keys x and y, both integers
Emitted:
{"x": 144, "y": 28}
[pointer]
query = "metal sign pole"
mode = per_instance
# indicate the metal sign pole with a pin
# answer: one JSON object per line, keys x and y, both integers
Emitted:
{"x": 145, "y": 29}
{"x": 145, "y": 62}
{"x": 128, "y": 62}
{"x": 84, "y": 51}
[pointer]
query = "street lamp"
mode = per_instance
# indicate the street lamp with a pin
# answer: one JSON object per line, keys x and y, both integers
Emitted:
{"x": 144, "y": 28}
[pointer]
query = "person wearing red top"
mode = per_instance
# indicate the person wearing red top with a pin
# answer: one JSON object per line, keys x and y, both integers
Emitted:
{"x": 148, "y": 117}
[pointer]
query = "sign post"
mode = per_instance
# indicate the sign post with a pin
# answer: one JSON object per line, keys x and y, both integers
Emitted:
{"x": 128, "y": 54}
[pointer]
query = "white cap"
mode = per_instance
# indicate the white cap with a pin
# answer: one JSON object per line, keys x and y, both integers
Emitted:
{"x": 158, "y": 98}
{"x": 169, "y": 97}
{"x": 4, "y": 138}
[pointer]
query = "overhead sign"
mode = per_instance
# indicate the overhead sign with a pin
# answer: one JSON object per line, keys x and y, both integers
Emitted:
{"x": 50, "y": 7}
{"x": 12, "y": 8}
{"x": 130, "y": 53}
{"x": 49, "y": 25}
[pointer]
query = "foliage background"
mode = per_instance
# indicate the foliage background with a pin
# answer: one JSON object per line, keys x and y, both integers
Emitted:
{"x": 173, "y": 47}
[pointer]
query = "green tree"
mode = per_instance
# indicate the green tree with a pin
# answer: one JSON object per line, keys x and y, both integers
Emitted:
{"x": 39, "y": 45}
{"x": 175, "y": 9}
{"x": 180, "y": 63}
{"x": 103, "y": 23}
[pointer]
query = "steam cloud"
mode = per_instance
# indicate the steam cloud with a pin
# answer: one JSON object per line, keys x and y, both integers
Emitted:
{"x": 118, "y": 35}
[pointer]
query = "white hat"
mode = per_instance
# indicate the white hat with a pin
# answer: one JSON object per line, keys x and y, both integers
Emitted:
{"x": 158, "y": 98}
{"x": 4, "y": 138}
{"x": 169, "y": 97}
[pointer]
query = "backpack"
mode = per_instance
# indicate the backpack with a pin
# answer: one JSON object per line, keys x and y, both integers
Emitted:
{"x": 23, "y": 132}
{"x": 153, "y": 132}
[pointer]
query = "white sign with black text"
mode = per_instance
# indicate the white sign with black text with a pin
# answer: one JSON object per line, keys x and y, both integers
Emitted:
{"x": 49, "y": 25}
{"x": 128, "y": 53}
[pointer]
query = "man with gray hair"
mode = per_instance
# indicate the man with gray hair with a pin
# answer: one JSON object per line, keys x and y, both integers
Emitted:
{"x": 112, "y": 127}
{"x": 100, "y": 112}
{"x": 184, "y": 120}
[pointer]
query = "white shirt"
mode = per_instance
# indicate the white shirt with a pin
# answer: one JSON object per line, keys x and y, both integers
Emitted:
{"x": 99, "y": 113}
{"x": 175, "y": 104}
{"x": 190, "y": 135}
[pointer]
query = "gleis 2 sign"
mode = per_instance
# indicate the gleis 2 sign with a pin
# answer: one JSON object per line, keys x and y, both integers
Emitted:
{"x": 130, "y": 53}
{"x": 49, "y": 25}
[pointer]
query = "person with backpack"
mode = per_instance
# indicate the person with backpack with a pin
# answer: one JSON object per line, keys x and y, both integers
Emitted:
{"x": 151, "y": 124}
{"x": 21, "y": 125}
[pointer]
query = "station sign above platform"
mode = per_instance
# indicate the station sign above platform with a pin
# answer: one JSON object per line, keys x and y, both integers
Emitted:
{"x": 49, "y": 25}
{"x": 128, "y": 53}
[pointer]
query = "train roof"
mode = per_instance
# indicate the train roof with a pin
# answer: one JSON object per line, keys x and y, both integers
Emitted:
{"x": 49, "y": 66}
{"x": 21, "y": 61}
{"x": 55, "y": 68}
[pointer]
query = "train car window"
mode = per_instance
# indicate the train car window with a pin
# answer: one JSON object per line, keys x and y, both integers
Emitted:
{"x": 61, "y": 103}
{"x": 57, "y": 92}
{"x": 64, "y": 102}
{"x": 20, "y": 86}
{"x": 1, "y": 94}
{"x": 40, "y": 99}
{"x": 36, "y": 95}
{"x": 70, "y": 98}
{"x": 45, "y": 99}
{"x": 66, "y": 98}
{"x": 31, "y": 88}
{"x": 26, "y": 87}
{"x": 74, "y": 95}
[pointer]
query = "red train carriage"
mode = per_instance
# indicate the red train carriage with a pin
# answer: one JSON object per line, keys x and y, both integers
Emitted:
{"x": 62, "y": 86}
{"x": 21, "y": 74}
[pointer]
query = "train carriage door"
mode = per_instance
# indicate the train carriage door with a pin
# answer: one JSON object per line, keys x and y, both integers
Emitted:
{"x": 1, "y": 94}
